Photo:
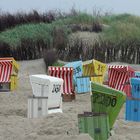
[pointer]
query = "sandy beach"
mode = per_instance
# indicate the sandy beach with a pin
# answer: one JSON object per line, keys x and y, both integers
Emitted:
{"x": 14, "y": 124}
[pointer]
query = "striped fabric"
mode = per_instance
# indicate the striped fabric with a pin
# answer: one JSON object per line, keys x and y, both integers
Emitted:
{"x": 5, "y": 70}
{"x": 66, "y": 73}
{"x": 118, "y": 76}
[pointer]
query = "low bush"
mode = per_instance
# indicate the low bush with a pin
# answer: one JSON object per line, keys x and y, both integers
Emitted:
{"x": 50, "y": 57}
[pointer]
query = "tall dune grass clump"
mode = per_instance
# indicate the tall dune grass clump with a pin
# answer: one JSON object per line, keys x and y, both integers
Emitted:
{"x": 123, "y": 41}
{"x": 80, "y": 46}
{"x": 8, "y": 20}
{"x": 123, "y": 18}
{"x": 83, "y": 22}
{"x": 29, "y": 41}
{"x": 118, "y": 41}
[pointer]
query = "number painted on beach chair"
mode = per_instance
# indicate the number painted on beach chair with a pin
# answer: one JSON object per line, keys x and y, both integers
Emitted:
{"x": 105, "y": 100}
{"x": 56, "y": 88}
{"x": 77, "y": 70}
{"x": 100, "y": 68}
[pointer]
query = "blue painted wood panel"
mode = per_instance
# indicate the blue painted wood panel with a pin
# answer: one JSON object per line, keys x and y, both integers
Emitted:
{"x": 135, "y": 87}
{"x": 82, "y": 84}
{"x": 77, "y": 68}
{"x": 137, "y": 74}
{"x": 132, "y": 110}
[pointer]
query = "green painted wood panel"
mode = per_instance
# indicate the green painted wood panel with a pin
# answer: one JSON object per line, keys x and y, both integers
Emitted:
{"x": 95, "y": 124}
{"x": 107, "y": 100}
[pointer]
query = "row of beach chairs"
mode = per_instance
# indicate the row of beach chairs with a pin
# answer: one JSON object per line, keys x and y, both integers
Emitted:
{"x": 65, "y": 83}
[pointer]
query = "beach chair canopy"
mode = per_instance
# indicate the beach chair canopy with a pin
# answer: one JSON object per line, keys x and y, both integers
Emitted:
{"x": 118, "y": 76}
{"x": 8, "y": 66}
{"x": 77, "y": 68}
{"x": 94, "y": 69}
{"x": 66, "y": 73}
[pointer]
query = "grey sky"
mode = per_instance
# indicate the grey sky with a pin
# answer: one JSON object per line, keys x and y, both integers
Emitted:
{"x": 115, "y": 6}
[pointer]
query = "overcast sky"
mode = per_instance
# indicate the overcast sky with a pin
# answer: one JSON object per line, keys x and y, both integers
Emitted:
{"x": 114, "y": 6}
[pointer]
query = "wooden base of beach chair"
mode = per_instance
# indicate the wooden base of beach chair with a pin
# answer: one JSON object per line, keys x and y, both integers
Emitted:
{"x": 13, "y": 83}
{"x": 73, "y": 96}
{"x": 95, "y": 124}
{"x": 39, "y": 107}
{"x": 68, "y": 97}
{"x": 4, "y": 87}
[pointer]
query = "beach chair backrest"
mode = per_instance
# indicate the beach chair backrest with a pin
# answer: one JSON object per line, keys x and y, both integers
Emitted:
{"x": 119, "y": 75}
{"x": 66, "y": 73}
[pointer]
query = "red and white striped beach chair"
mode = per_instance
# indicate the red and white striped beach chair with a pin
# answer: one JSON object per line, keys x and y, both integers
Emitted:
{"x": 118, "y": 77}
{"x": 66, "y": 73}
{"x": 8, "y": 73}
